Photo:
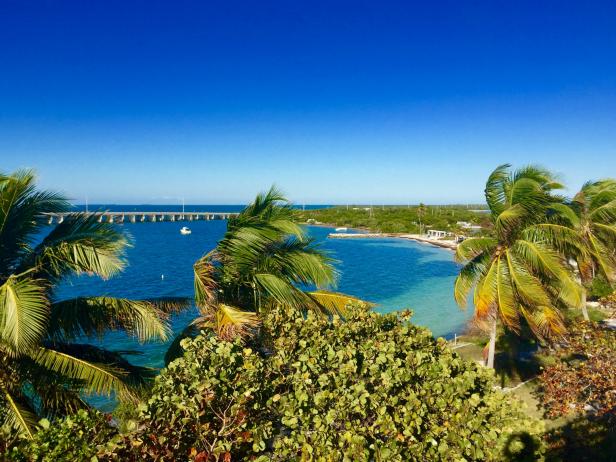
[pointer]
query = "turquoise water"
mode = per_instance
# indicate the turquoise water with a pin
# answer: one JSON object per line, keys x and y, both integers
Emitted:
{"x": 393, "y": 273}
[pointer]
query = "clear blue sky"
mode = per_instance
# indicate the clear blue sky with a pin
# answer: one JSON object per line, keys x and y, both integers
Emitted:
{"x": 335, "y": 102}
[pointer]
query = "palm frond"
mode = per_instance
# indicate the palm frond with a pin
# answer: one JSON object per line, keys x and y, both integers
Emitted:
{"x": 527, "y": 287}
{"x": 17, "y": 414}
{"x": 228, "y": 322}
{"x": 565, "y": 214}
{"x": 486, "y": 292}
{"x": 20, "y": 209}
{"x": 24, "y": 309}
{"x": 80, "y": 244}
{"x": 206, "y": 286}
{"x": 605, "y": 213}
{"x": 603, "y": 256}
{"x": 471, "y": 248}
{"x": 542, "y": 176}
{"x": 545, "y": 321}
{"x": 94, "y": 316}
{"x": 564, "y": 239}
{"x": 508, "y": 306}
{"x": 169, "y": 305}
{"x": 97, "y": 378}
{"x": 300, "y": 261}
{"x": 509, "y": 219}
{"x": 279, "y": 289}
{"x": 540, "y": 258}
{"x": 330, "y": 303}
{"x": 470, "y": 275}
{"x": 495, "y": 191}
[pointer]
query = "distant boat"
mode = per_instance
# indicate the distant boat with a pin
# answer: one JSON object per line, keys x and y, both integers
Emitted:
{"x": 341, "y": 230}
{"x": 184, "y": 229}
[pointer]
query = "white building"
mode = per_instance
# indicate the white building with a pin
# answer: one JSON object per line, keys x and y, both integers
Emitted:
{"x": 437, "y": 234}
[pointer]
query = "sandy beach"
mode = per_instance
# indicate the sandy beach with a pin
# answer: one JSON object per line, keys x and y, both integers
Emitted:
{"x": 414, "y": 237}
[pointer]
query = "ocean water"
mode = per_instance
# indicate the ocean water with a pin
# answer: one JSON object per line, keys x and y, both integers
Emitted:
{"x": 393, "y": 273}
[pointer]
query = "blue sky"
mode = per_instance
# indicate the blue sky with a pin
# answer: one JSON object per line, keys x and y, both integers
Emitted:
{"x": 335, "y": 102}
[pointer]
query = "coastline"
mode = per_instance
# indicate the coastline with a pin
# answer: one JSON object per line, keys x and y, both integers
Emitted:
{"x": 412, "y": 237}
{"x": 369, "y": 234}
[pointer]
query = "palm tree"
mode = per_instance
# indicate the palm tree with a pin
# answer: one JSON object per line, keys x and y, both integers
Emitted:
{"x": 586, "y": 230}
{"x": 264, "y": 262}
{"x": 518, "y": 274}
{"x": 421, "y": 211}
{"x": 44, "y": 370}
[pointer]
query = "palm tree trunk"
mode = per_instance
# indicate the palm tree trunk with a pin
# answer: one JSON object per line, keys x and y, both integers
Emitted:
{"x": 584, "y": 309}
{"x": 492, "y": 346}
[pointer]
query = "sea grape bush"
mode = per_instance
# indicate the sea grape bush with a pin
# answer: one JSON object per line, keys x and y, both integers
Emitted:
{"x": 211, "y": 404}
{"x": 583, "y": 377}
{"x": 79, "y": 437}
{"x": 372, "y": 387}
{"x": 377, "y": 387}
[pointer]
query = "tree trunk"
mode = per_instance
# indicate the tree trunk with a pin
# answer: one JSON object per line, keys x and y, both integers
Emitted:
{"x": 583, "y": 282}
{"x": 584, "y": 309}
{"x": 492, "y": 346}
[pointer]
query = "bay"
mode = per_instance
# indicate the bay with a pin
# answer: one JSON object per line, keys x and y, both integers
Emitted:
{"x": 393, "y": 273}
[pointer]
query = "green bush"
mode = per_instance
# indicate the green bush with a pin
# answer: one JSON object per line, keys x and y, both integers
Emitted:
{"x": 374, "y": 387}
{"x": 76, "y": 438}
{"x": 211, "y": 403}
{"x": 379, "y": 388}
{"x": 600, "y": 288}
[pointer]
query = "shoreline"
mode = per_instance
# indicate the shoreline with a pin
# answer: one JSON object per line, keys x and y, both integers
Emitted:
{"x": 411, "y": 237}
{"x": 369, "y": 234}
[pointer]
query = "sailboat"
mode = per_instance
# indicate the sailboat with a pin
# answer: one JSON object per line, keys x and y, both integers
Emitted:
{"x": 185, "y": 229}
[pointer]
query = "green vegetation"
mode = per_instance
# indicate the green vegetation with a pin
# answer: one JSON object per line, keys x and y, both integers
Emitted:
{"x": 44, "y": 372}
{"x": 275, "y": 370}
{"x": 585, "y": 229}
{"x": 260, "y": 265}
{"x": 518, "y": 276}
{"x": 373, "y": 387}
{"x": 398, "y": 219}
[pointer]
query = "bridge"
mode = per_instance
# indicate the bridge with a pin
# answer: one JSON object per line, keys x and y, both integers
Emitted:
{"x": 140, "y": 217}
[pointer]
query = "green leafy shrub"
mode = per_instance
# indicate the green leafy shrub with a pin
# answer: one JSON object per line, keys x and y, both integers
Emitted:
{"x": 379, "y": 388}
{"x": 208, "y": 405}
{"x": 374, "y": 387}
{"x": 76, "y": 438}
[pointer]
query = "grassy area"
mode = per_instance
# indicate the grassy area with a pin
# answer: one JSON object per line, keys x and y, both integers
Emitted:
{"x": 574, "y": 437}
{"x": 570, "y": 438}
{"x": 397, "y": 219}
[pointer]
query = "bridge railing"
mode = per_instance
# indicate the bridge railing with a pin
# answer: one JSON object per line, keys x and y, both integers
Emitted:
{"x": 141, "y": 217}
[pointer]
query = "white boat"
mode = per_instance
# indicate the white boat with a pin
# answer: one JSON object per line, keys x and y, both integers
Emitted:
{"x": 341, "y": 230}
{"x": 184, "y": 229}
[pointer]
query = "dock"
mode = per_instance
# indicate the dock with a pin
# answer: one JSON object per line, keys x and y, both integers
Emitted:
{"x": 141, "y": 217}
